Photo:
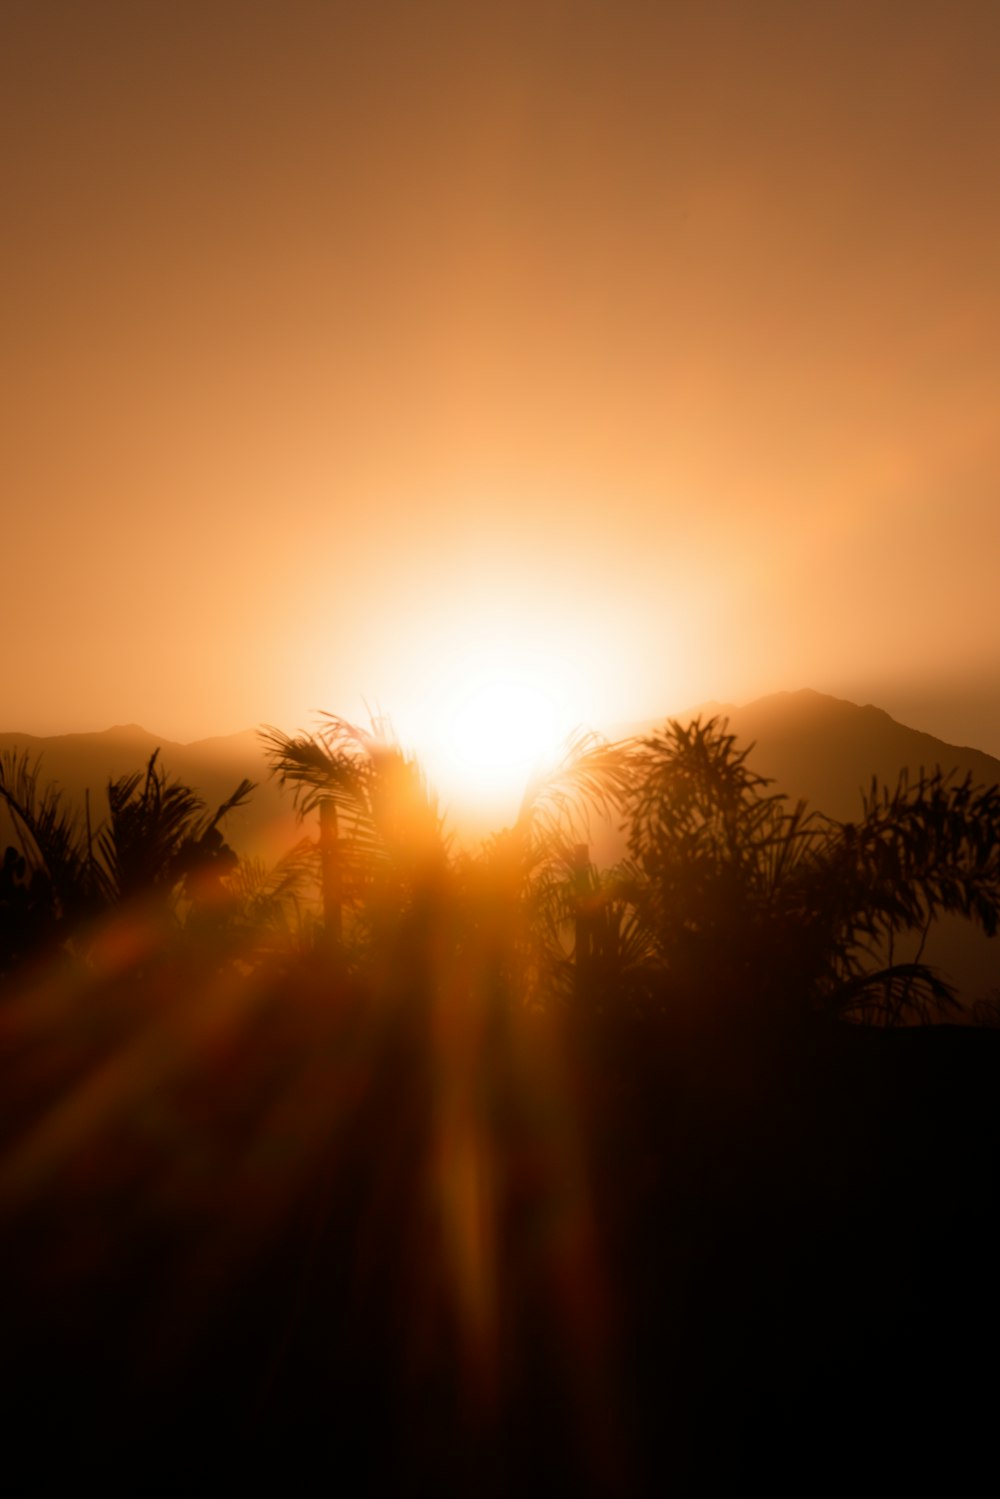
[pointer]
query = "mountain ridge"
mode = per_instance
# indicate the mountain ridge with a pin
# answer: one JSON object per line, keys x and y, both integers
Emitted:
{"x": 800, "y": 739}
{"x": 809, "y": 745}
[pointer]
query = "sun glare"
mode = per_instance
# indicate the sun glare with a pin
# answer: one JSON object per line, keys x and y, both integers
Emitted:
{"x": 501, "y": 726}
{"x": 484, "y": 730}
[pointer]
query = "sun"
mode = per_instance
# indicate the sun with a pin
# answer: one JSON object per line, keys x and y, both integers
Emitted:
{"x": 503, "y": 725}
{"x": 488, "y": 727}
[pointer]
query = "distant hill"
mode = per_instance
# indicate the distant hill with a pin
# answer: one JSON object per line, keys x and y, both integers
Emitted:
{"x": 822, "y": 748}
{"x": 826, "y": 749}
{"x": 213, "y": 767}
{"x": 813, "y": 746}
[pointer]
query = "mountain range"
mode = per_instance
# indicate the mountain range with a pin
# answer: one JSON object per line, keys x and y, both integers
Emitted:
{"x": 826, "y": 749}
{"x": 810, "y": 745}
{"x": 78, "y": 763}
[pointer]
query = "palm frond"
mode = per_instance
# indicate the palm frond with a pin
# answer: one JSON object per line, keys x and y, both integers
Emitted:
{"x": 238, "y": 798}
{"x": 592, "y": 777}
{"x": 328, "y": 766}
{"x": 51, "y": 837}
{"x": 276, "y": 897}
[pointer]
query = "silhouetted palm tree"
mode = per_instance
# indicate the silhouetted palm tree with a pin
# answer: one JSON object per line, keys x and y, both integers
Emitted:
{"x": 749, "y": 902}
{"x": 158, "y": 836}
{"x": 56, "y": 847}
{"x": 538, "y": 870}
{"x": 919, "y": 851}
{"x": 157, "y": 843}
{"x": 380, "y": 831}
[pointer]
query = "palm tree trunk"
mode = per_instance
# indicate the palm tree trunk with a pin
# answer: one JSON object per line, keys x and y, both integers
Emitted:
{"x": 583, "y": 944}
{"x": 330, "y": 872}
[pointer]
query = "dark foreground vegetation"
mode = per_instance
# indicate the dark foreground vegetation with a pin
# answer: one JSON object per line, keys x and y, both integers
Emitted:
{"x": 402, "y": 1168}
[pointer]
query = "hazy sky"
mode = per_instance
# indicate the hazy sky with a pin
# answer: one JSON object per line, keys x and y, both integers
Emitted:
{"x": 345, "y": 343}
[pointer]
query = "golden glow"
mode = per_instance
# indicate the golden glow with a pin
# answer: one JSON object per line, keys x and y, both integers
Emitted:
{"x": 485, "y": 728}
{"x": 503, "y": 725}
{"x": 439, "y": 347}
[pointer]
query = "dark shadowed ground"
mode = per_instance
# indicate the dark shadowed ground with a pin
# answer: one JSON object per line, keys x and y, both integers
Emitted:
{"x": 783, "y": 1271}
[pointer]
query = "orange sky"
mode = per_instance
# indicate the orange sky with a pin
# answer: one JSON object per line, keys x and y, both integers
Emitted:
{"x": 343, "y": 341}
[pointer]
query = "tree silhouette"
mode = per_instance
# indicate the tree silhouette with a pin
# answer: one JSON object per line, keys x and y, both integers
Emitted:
{"x": 732, "y": 902}
{"x": 381, "y": 836}
{"x": 157, "y": 837}
{"x": 753, "y": 907}
{"x": 529, "y": 875}
{"x": 57, "y": 849}
{"x": 157, "y": 845}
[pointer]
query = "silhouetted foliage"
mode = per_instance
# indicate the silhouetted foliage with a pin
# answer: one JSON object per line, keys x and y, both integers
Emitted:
{"x": 28, "y": 919}
{"x": 381, "y": 840}
{"x": 731, "y": 903}
{"x": 757, "y": 906}
{"x": 460, "y": 1167}
{"x": 157, "y": 837}
{"x": 56, "y": 848}
{"x": 157, "y": 844}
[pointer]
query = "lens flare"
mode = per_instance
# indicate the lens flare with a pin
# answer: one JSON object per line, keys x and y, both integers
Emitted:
{"x": 484, "y": 732}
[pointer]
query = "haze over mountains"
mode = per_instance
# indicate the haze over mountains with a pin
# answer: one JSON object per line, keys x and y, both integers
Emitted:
{"x": 811, "y": 745}
{"x": 214, "y": 767}
{"x": 820, "y": 748}
{"x": 826, "y": 749}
